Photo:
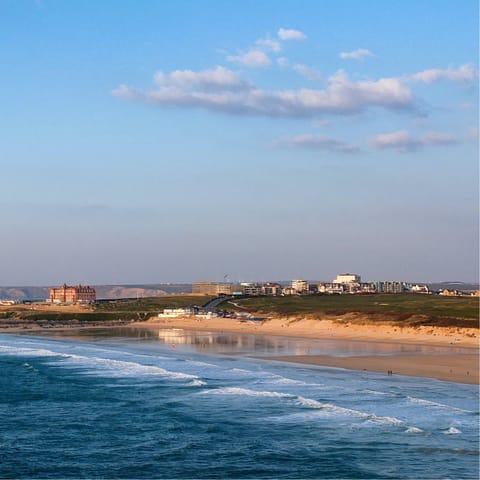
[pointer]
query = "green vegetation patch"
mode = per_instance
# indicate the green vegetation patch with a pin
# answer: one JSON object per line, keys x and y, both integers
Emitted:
{"x": 405, "y": 304}
{"x": 77, "y": 317}
{"x": 151, "y": 304}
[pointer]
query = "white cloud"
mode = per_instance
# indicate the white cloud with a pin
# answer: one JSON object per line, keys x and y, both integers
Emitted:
{"x": 320, "y": 142}
{"x": 307, "y": 72}
{"x": 404, "y": 142}
{"x": 438, "y": 138}
{"x": 218, "y": 77}
{"x": 269, "y": 45}
{"x": 359, "y": 54}
{"x": 342, "y": 95}
{"x": 252, "y": 58}
{"x": 124, "y": 91}
{"x": 289, "y": 34}
{"x": 465, "y": 73}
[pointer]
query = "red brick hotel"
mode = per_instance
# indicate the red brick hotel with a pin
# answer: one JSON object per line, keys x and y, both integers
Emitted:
{"x": 68, "y": 294}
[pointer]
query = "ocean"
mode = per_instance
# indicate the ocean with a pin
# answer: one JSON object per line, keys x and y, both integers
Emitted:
{"x": 172, "y": 404}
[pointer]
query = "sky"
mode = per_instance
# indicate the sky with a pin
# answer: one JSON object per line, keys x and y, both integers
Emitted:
{"x": 186, "y": 140}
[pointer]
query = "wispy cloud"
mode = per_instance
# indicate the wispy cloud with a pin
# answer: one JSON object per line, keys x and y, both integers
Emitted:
{"x": 402, "y": 141}
{"x": 215, "y": 78}
{"x": 290, "y": 34}
{"x": 359, "y": 54}
{"x": 341, "y": 96}
{"x": 252, "y": 58}
{"x": 465, "y": 73}
{"x": 269, "y": 45}
{"x": 282, "y": 61}
{"x": 318, "y": 142}
{"x": 307, "y": 72}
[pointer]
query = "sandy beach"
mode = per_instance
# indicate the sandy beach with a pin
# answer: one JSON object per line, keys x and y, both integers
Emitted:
{"x": 455, "y": 367}
{"x": 461, "y": 368}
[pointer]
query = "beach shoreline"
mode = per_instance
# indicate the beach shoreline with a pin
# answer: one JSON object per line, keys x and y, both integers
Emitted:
{"x": 454, "y": 366}
{"x": 324, "y": 328}
{"x": 459, "y": 368}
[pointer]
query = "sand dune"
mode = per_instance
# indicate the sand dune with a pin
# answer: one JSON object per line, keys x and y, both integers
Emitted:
{"x": 332, "y": 328}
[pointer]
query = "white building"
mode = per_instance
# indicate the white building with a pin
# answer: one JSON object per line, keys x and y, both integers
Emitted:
{"x": 346, "y": 278}
{"x": 300, "y": 286}
{"x": 176, "y": 312}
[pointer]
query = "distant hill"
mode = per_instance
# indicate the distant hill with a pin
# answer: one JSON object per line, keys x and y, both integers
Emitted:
{"x": 103, "y": 291}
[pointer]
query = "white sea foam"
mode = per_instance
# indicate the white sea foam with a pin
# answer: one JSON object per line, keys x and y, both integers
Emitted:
{"x": 337, "y": 410}
{"x": 421, "y": 401}
{"x": 98, "y": 366}
{"x": 307, "y": 403}
{"x": 385, "y": 420}
{"x": 247, "y": 392}
{"x": 383, "y": 394}
{"x": 197, "y": 383}
{"x": 26, "y": 351}
{"x": 452, "y": 431}
{"x": 413, "y": 430}
{"x": 120, "y": 368}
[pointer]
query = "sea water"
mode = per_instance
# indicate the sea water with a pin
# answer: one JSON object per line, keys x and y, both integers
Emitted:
{"x": 176, "y": 405}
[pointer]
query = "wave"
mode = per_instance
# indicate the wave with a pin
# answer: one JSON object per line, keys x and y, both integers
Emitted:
{"x": 452, "y": 431}
{"x": 197, "y": 383}
{"x": 414, "y": 430}
{"x": 98, "y": 366}
{"x": 421, "y": 401}
{"x": 122, "y": 368}
{"x": 26, "y": 351}
{"x": 306, "y": 403}
{"x": 247, "y": 392}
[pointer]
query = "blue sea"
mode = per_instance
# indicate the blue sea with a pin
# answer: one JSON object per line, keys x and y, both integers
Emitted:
{"x": 169, "y": 404}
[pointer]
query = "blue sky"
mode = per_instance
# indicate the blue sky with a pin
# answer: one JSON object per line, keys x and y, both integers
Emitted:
{"x": 146, "y": 142}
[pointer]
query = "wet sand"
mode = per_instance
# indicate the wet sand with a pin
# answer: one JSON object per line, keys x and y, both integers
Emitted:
{"x": 460, "y": 368}
{"x": 451, "y": 366}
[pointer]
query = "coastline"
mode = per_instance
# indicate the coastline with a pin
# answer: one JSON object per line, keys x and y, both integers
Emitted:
{"x": 327, "y": 327}
{"x": 453, "y": 367}
{"x": 459, "y": 368}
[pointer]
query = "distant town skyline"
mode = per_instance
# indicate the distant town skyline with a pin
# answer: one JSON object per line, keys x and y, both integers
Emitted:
{"x": 189, "y": 140}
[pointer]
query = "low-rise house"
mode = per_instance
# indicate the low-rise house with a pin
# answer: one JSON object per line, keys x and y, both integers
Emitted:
{"x": 177, "y": 312}
{"x": 332, "y": 288}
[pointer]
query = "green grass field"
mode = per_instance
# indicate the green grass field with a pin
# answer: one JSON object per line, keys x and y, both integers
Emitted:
{"x": 152, "y": 304}
{"x": 402, "y": 305}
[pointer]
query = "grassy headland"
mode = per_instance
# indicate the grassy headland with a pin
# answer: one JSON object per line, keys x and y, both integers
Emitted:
{"x": 405, "y": 309}
{"x": 402, "y": 309}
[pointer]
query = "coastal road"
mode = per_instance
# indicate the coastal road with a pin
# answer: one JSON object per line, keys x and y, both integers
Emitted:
{"x": 213, "y": 304}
